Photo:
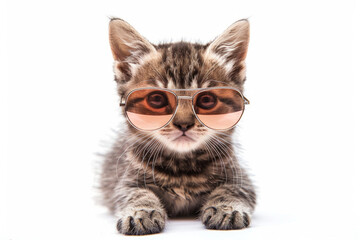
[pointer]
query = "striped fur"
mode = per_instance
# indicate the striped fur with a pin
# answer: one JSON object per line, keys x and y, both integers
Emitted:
{"x": 148, "y": 176}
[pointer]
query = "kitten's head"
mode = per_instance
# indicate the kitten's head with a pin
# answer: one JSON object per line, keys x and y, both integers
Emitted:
{"x": 181, "y": 65}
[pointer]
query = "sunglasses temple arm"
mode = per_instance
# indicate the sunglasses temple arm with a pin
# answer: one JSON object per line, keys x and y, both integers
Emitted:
{"x": 247, "y": 101}
{"x": 122, "y": 101}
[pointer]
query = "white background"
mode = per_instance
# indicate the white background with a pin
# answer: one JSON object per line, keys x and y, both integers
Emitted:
{"x": 59, "y": 106}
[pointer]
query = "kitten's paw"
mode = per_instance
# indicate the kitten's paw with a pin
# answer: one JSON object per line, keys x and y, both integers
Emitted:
{"x": 141, "y": 221}
{"x": 225, "y": 218}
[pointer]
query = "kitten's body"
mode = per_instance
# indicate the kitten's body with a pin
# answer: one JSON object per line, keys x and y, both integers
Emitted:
{"x": 182, "y": 182}
{"x": 147, "y": 176}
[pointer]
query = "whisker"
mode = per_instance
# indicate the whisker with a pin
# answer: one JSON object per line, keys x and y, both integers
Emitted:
{"x": 208, "y": 150}
{"x": 156, "y": 146}
{"x": 144, "y": 151}
{"x": 217, "y": 146}
{"x": 148, "y": 150}
{"x": 223, "y": 168}
{"x": 222, "y": 146}
{"x": 233, "y": 162}
{"x": 158, "y": 155}
{"x": 235, "y": 144}
{"x": 125, "y": 151}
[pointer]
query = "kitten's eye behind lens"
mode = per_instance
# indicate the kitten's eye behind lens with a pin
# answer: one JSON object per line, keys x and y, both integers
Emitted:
{"x": 157, "y": 99}
{"x": 150, "y": 109}
{"x": 206, "y": 100}
{"x": 219, "y": 108}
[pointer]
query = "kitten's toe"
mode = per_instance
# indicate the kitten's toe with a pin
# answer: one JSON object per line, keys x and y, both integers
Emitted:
{"x": 224, "y": 218}
{"x": 142, "y": 222}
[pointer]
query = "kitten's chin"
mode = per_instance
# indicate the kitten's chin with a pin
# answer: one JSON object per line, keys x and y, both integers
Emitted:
{"x": 182, "y": 144}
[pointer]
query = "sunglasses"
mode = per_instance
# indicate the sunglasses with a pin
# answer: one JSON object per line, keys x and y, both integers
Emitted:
{"x": 151, "y": 108}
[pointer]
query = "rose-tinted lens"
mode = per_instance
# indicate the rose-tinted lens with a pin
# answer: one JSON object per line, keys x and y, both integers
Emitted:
{"x": 219, "y": 108}
{"x": 150, "y": 109}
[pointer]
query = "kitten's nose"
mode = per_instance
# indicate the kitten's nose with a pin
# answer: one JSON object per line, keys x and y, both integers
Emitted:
{"x": 184, "y": 126}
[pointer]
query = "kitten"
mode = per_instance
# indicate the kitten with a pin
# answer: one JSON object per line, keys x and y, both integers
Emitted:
{"x": 147, "y": 177}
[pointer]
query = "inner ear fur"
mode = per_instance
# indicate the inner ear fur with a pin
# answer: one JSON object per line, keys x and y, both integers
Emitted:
{"x": 233, "y": 43}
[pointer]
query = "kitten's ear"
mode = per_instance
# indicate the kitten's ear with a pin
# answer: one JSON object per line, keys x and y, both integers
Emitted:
{"x": 126, "y": 42}
{"x": 233, "y": 43}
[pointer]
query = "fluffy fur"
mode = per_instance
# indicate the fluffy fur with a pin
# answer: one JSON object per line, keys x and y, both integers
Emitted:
{"x": 148, "y": 176}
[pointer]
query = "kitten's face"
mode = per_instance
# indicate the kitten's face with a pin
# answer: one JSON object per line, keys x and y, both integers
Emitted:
{"x": 184, "y": 133}
{"x": 179, "y": 66}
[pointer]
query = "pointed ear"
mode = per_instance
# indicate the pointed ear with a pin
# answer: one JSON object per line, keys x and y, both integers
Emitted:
{"x": 233, "y": 43}
{"x": 126, "y": 42}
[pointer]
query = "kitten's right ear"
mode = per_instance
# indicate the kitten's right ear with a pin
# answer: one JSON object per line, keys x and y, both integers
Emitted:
{"x": 127, "y": 45}
{"x": 125, "y": 41}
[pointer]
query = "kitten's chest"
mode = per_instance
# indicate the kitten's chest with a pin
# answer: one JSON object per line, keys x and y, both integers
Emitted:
{"x": 179, "y": 201}
{"x": 182, "y": 184}
{"x": 183, "y": 196}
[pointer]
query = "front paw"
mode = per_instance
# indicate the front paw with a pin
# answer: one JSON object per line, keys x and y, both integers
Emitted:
{"x": 224, "y": 217}
{"x": 141, "y": 221}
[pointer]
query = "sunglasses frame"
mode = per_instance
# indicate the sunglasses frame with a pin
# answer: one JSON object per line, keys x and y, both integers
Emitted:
{"x": 123, "y": 102}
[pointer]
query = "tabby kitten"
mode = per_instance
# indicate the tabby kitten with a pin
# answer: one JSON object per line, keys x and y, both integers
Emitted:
{"x": 151, "y": 175}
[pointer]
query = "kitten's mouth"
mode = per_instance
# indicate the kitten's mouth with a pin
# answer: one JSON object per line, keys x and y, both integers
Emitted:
{"x": 184, "y": 137}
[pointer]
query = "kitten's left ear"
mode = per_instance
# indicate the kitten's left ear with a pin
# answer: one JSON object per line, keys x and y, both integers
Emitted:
{"x": 232, "y": 44}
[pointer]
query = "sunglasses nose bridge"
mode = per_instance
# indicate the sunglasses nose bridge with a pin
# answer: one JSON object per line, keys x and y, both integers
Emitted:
{"x": 184, "y": 105}
{"x": 185, "y": 97}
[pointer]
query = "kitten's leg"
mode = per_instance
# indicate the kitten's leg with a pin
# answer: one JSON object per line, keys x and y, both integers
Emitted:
{"x": 228, "y": 207}
{"x": 140, "y": 212}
